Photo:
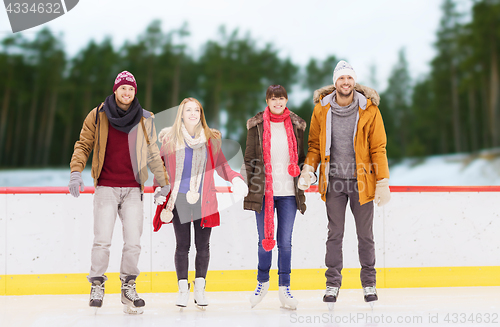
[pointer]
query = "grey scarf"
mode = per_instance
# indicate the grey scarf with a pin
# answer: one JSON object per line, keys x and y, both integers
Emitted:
{"x": 347, "y": 110}
{"x": 120, "y": 119}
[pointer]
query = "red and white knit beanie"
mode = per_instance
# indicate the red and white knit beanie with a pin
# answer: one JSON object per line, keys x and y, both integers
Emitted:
{"x": 125, "y": 78}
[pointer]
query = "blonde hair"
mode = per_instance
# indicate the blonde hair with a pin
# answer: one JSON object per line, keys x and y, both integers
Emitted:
{"x": 176, "y": 137}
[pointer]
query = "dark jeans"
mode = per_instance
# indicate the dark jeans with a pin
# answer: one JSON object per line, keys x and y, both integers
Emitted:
{"x": 339, "y": 191}
{"x": 286, "y": 208}
{"x": 184, "y": 212}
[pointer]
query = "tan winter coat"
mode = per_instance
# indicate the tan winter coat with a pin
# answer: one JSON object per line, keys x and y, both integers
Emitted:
{"x": 94, "y": 136}
{"x": 369, "y": 142}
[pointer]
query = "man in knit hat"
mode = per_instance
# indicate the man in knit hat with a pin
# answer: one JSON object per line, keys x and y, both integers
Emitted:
{"x": 123, "y": 138}
{"x": 347, "y": 140}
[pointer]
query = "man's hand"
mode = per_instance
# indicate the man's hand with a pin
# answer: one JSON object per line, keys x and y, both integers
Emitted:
{"x": 76, "y": 184}
{"x": 160, "y": 194}
{"x": 382, "y": 192}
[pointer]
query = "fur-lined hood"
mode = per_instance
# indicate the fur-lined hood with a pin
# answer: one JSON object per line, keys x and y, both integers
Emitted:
{"x": 369, "y": 93}
{"x": 259, "y": 118}
{"x": 164, "y": 132}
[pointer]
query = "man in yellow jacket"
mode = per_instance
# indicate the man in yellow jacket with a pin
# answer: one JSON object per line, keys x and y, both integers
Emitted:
{"x": 123, "y": 138}
{"x": 347, "y": 141}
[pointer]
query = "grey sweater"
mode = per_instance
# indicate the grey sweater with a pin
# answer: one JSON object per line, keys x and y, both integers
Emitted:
{"x": 342, "y": 155}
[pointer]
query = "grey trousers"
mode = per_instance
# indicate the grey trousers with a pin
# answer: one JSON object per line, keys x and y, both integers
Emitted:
{"x": 126, "y": 202}
{"x": 339, "y": 191}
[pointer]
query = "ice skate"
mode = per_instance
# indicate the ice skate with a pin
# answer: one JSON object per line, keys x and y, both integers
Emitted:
{"x": 199, "y": 293}
{"x": 97, "y": 293}
{"x": 286, "y": 298}
{"x": 370, "y": 293}
{"x": 132, "y": 303}
{"x": 183, "y": 297}
{"x": 259, "y": 293}
{"x": 330, "y": 296}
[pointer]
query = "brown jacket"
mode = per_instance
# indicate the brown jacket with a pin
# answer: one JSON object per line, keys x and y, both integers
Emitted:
{"x": 369, "y": 142}
{"x": 253, "y": 171}
{"x": 94, "y": 136}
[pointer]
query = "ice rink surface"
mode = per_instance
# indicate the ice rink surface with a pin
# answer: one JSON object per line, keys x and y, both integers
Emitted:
{"x": 457, "y": 306}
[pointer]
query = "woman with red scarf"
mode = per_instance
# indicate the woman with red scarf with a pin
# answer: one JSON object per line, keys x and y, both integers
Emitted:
{"x": 274, "y": 151}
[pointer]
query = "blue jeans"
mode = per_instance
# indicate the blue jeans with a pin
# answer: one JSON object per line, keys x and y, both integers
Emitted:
{"x": 286, "y": 208}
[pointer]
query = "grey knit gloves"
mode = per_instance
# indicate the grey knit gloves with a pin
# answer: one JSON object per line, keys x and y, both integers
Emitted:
{"x": 161, "y": 194}
{"x": 76, "y": 183}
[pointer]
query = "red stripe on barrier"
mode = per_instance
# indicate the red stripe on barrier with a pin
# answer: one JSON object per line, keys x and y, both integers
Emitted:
{"x": 227, "y": 189}
{"x": 451, "y": 189}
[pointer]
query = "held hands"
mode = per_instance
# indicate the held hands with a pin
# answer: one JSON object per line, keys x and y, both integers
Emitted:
{"x": 307, "y": 177}
{"x": 239, "y": 187}
{"x": 160, "y": 194}
{"x": 76, "y": 184}
{"x": 382, "y": 192}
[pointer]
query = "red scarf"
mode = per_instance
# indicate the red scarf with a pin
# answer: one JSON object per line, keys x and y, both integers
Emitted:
{"x": 293, "y": 169}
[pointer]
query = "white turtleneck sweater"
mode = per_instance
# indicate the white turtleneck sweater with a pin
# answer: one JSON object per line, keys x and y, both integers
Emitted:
{"x": 280, "y": 159}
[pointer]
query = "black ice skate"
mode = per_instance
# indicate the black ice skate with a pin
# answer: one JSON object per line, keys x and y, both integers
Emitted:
{"x": 97, "y": 292}
{"x": 132, "y": 303}
{"x": 330, "y": 296}
{"x": 370, "y": 293}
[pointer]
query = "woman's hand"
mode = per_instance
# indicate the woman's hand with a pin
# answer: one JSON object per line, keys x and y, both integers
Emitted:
{"x": 239, "y": 187}
{"x": 307, "y": 177}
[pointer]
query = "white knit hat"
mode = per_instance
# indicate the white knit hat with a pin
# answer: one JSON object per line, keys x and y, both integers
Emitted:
{"x": 343, "y": 68}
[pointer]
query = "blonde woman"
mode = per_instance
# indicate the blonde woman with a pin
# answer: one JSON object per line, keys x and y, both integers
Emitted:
{"x": 191, "y": 151}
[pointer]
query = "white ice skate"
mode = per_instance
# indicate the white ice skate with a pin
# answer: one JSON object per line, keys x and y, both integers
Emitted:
{"x": 286, "y": 298}
{"x": 370, "y": 294}
{"x": 259, "y": 293}
{"x": 199, "y": 293}
{"x": 183, "y": 297}
{"x": 96, "y": 294}
{"x": 132, "y": 303}
{"x": 330, "y": 296}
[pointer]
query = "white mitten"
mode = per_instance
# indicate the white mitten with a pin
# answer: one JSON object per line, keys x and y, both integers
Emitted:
{"x": 239, "y": 187}
{"x": 382, "y": 192}
{"x": 166, "y": 216}
{"x": 307, "y": 177}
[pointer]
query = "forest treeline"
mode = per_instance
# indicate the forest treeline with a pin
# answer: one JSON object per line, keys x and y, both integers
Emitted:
{"x": 45, "y": 95}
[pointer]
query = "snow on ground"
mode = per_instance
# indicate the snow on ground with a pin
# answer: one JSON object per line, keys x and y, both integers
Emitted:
{"x": 482, "y": 168}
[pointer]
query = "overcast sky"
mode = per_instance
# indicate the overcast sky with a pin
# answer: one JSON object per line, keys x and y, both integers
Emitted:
{"x": 364, "y": 32}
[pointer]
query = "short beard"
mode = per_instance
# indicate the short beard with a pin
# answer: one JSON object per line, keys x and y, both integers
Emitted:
{"x": 341, "y": 95}
{"x": 121, "y": 104}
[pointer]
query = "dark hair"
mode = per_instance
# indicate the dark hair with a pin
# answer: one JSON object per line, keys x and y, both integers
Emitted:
{"x": 277, "y": 91}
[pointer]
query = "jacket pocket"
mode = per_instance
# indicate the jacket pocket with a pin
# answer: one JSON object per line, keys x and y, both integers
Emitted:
{"x": 368, "y": 183}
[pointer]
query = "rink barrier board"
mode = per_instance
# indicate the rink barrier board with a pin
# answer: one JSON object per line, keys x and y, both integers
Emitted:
{"x": 226, "y": 189}
{"x": 245, "y": 280}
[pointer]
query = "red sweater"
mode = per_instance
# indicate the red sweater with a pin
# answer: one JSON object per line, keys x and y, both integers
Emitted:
{"x": 117, "y": 169}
